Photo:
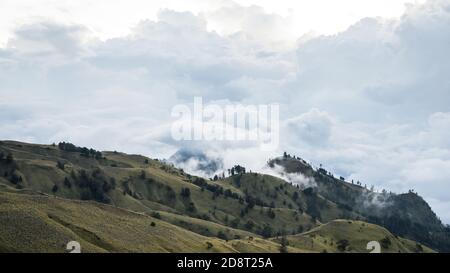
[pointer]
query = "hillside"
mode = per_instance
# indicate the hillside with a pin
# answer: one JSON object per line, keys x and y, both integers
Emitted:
{"x": 406, "y": 214}
{"x": 41, "y": 223}
{"x": 104, "y": 199}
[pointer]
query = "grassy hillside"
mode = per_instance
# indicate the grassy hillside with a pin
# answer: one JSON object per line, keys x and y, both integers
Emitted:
{"x": 406, "y": 215}
{"x": 83, "y": 194}
{"x": 36, "y": 223}
{"x": 42, "y": 223}
{"x": 352, "y": 236}
{"x": 145, "y": 185}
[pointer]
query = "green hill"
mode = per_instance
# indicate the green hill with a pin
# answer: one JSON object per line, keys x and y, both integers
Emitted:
{"x": 107, "y": 200}
{"x": 406, "y": 215}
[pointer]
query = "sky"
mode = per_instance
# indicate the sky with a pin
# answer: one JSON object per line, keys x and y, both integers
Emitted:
{"x": 363, "y": 86}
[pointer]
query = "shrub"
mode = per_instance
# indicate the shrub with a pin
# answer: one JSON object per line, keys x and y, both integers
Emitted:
{"x": 156, "y": 215}
{"x": 55, "y": 188}
{"x": 191, "y": 207}
{"x": 283, "y": 245}
{"x": 15, "y": 179}
{"x": 60, "y": 165}
{"x": 222, "y": 235}
{"x": 249, "y": 225}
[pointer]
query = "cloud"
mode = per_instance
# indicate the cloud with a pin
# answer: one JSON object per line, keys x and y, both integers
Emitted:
{"x": 296, "y": 179}
{"x": 49, "y": 39}
{"x": 313, "y": 127}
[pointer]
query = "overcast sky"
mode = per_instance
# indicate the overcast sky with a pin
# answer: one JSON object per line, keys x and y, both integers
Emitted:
{"x": 363, "y": 86}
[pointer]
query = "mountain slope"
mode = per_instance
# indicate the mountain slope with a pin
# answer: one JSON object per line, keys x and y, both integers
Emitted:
{"x": 406, "y": 215}
{"x": 352, "y": 236}
{"x": 245, "y": 208}
{"x": 42, "y": 223}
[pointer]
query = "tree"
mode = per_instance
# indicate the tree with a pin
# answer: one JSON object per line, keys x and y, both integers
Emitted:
{"x": 142, "y": 176}
{"x": 67, "y": 183}
{"x": 185, "y": 192}
{"x": 266, "y": 232}
{"x": 295, "y": 196}
{"x": 2, "y": 155}
{"x": 55, "y": 188}
{"x": 283, "y": 244}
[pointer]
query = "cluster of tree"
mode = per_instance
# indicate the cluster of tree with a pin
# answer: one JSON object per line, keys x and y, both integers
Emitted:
{"x": 11, "y": 169}
{"x": 185, "y": 193}
{"x": 237, "y": 169}
{"x": 215, "y": 189}
{"x": 342, "y": 244}
{"x": 252, "y": 201}
{"x": 313, "y": 204}
{"x": 217, "y": 177}
{"x": 6, "y": 158}
{"x": 266, "y": 231}
{"x": 95, "y": 185}
{"x": 86, "y": 152}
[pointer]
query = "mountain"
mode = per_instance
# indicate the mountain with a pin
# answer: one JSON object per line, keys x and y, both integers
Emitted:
{"x": 406, "y": 214}
{"x": 115, "y": 202}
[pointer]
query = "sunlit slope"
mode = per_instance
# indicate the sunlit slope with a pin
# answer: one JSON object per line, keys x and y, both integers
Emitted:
{"x": 35, "y": 223}
{"x": 146, "y": 185}
{"x": 352, "y": 236}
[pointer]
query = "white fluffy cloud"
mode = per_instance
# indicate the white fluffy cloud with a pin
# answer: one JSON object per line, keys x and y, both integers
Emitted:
{"x": 369, "y": 103}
